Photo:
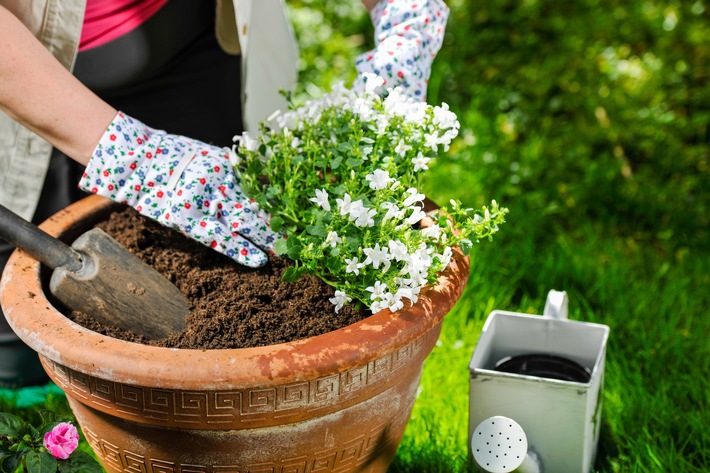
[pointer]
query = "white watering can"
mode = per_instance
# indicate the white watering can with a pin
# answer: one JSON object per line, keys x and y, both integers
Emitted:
{"x": 536, "y": 391}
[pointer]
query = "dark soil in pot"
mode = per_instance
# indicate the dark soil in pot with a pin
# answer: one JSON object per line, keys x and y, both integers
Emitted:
{"x": 232, "y": 306}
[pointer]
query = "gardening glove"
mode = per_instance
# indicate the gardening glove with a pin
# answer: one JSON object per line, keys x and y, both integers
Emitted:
{"x": 408, "y": 34}
{"x": 181, "y": 183}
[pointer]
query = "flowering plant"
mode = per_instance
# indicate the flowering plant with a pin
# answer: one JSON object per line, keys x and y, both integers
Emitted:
{"x": 340, "y": 177}
{"x": 49, "y": 449}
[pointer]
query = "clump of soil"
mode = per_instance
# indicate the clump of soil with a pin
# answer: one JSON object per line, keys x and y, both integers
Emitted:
{"x": 232, "y": 306}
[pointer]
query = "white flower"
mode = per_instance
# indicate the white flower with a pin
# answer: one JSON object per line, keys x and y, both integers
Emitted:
{"x": 247, "y": 142}
{"x": 378, "y": 290}
{"x": 417, "y": 266}
{"x": 432, "y": 141}
{"x": 398, "y": 250}
{"x": 420, "y": 162}
{"x": 273, "y": 116}
{"x": 363, "y": 216}
{"x": 394, "y": 301}
{"x": 363, "y": 108}
{"x": 447, "y": 138}
{"x": 417, "y": 214}
{"x": 355, "y": 210}
{"x": 234, "y": 159}
{"x": 344, "y": 204}
{"x": 409, "y": 293}
{"x": 379, "y": 179}
{"x": 377, "y": 256}
{"x": 339, "y": 299}
{"x": 392, "y": 211}
{"x": 414, "y": 196}
{"x": 333, "y": 239}
{"x": 432, "y": 232}
{"x": 377, "y": 306}
{"x": 396, "y": 102}
{"x": 321, "y": 199}
{"x": 372, "y": 82}
{"x": 353, "y": 265}
{"x": 402, "y": 148}
{"x": 444, "y": 118}
{"x": 445, "y": 257}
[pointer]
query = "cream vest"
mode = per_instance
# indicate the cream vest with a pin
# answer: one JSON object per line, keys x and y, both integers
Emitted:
{"x": 261, "y": 34}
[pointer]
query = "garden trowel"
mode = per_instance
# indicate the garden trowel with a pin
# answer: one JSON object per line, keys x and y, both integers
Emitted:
{"x": 101, "y": 278}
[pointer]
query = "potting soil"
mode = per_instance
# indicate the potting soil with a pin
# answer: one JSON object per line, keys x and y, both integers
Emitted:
{"x": 232, "y": 306}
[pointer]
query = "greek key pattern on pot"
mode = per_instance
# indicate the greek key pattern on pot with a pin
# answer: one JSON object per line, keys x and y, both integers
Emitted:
{"x": 350, "y": 455}
{"x": 243, "y": 407}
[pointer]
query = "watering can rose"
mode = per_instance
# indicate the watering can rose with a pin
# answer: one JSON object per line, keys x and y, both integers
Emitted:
{"x": 62, "y": 440}
{"x": 341, "y": 176}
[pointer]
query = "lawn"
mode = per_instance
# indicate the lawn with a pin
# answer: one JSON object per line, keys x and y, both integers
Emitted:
{"x": 589, "y": 121}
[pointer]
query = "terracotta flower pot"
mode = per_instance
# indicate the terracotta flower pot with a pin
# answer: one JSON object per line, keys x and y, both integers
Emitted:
{"x": 334, "y": 402}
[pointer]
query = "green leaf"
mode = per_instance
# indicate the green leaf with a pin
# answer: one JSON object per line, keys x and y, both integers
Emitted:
{"x": 22, "y": 447}
{"x": 277, "y": 223}
{"x": 465, "y": 246}
{"x": 49, "y": 417}
{"x": 10, "y": 463}
{"x": 293, "y": 248}
{"x": 255, "y": 167}
{"x": 80, "y": 462}
{"x": 40, "y": 462}
{"x": 5, "y": 451}
{"x": 273, "y": 191}
{"x": 291, "y": 274}
{"x": 316, "y": 230}
{"x": 281, "y": 246}
{"x": 353, "y": 162}
{"x": 332, "y": 262}
{"x": 12, "y": 426}
{"x": 335, "y": 163}
{"x": 353, "y": 243}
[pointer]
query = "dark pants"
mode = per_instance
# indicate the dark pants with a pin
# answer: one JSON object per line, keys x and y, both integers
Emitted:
{"x": 171, "y": 74}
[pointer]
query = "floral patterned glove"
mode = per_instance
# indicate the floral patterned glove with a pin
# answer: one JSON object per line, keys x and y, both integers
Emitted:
{"x": 408, "y": 34}
{"x": 183, "y": 184}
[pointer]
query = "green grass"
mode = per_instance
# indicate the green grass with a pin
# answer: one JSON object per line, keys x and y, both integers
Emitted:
{"x": 589, "y": 121}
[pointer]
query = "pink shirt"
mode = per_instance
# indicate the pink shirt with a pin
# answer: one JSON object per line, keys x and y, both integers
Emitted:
{"x": 106, "y": 20}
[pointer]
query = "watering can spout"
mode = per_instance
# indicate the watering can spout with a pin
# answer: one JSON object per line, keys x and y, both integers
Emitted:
{"x": 499, "y": 445}
{"x": 557, "y": 304}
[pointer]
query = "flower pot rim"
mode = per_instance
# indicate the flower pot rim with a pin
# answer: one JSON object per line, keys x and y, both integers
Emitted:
{"x": 63, "y": 341}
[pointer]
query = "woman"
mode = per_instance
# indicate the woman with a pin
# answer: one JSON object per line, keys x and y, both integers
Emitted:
{"x": 175, "y": 65}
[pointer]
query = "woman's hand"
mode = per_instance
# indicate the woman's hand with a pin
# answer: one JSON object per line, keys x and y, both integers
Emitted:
{"x": 408, "y": 34}
{"x": 181, "y": 183}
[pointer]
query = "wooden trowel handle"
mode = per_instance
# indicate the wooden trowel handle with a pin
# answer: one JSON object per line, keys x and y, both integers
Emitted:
{"x": 24, "y": 235}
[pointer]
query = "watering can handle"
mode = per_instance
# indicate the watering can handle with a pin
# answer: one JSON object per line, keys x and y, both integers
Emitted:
{"x": 556, "y": 306}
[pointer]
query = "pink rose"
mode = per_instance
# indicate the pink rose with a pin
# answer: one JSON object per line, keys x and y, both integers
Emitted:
{"x": 62, "y": 440}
